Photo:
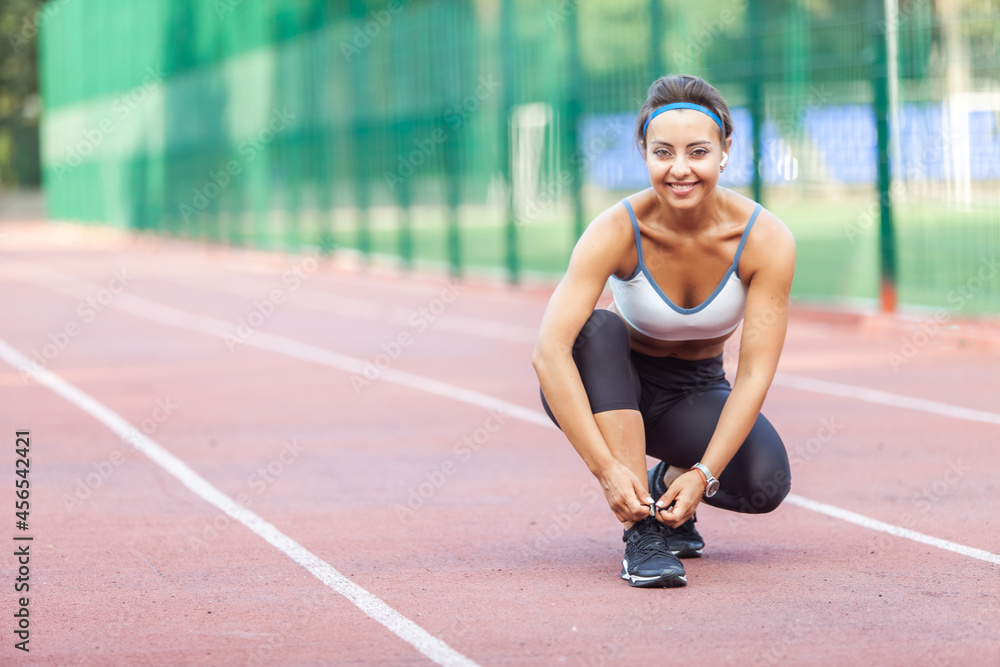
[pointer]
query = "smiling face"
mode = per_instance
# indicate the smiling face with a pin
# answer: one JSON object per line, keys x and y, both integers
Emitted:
{"x": 683, "y": 156}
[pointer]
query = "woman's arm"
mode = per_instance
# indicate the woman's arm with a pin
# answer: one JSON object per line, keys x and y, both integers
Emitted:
{"x": 770, "y": 262}
{"x": 596, "y": 256}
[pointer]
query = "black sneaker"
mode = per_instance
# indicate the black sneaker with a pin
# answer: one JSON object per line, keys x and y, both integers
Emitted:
{"x": 648, "y": 561}
{"x": 684, "y": 541}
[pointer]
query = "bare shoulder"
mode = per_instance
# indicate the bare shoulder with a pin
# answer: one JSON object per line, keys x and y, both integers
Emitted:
{"x": 613, "y": 221}
{"x": 607, "y": 243}
{"x": 771, "y": 233}
{"x": 600, "y": 252}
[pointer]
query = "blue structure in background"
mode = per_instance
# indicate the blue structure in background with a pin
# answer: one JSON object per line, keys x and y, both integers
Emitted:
{"x": 844, "y": 135}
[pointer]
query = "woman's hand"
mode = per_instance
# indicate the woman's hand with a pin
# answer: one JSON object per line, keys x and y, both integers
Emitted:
{"x": 625, "y": 494}
{"x": 686, "y": 490}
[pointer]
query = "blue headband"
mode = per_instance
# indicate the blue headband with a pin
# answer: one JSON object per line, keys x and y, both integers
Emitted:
{"x": 682, "y": 105}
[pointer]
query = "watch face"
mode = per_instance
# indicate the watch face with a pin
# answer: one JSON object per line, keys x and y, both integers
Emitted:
{"x": 712, "y": 487}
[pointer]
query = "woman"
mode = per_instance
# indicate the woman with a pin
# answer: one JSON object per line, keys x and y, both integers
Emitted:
{"x": 645, "y": 376}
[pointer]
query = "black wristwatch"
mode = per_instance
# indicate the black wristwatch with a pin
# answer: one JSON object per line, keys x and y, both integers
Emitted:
{"x": 711, "y": 484}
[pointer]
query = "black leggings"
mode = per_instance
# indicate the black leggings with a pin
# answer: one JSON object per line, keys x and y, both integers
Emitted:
{"x": 680, "y": 402}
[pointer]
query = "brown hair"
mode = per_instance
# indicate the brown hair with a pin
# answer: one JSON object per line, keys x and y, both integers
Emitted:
{"x": 682, "y": 88}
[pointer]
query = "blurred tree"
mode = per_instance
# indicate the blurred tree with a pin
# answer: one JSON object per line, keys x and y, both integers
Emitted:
{"x": 20, "y": 104}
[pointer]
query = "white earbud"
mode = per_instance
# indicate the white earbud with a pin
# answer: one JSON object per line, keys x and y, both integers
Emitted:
{"x": 725, "y": 158}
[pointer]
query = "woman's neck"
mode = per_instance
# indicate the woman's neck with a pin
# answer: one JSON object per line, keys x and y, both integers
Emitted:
{"x": 691, "y": 221}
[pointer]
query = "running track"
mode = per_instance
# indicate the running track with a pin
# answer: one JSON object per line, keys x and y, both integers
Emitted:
{"x": 367, "y": 478}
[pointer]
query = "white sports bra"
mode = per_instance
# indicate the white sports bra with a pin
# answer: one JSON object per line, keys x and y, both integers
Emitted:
{"x": 641, "y": 302}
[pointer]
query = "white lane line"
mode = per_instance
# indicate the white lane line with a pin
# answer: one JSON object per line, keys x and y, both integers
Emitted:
{"x": 883, "y": 527}
{"x": 207, "y": 325}
{"x": 373, "y": 606}
{"x": 360, "y": 309}
{"x": 885, "y": 398}
{"x": 180, "y": 319}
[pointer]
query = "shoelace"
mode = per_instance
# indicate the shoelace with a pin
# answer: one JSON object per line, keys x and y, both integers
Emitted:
{"x": 650, "y": 543}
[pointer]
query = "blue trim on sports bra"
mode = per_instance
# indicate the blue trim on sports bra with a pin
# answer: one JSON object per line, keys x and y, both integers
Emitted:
{"x": 743, "y": 239}
{"x": 649, "y": 277}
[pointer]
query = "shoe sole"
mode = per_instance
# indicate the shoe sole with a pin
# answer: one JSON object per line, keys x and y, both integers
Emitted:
{"x": 660, "y": 581}
{"x": 687, "y": 553}
{"x": 673, "y": 581}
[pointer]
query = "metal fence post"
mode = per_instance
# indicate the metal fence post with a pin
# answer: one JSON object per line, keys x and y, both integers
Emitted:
{"x": 755, "y": 95}
{"x": 513, "y": 259}
{"x": 880, "y": 84}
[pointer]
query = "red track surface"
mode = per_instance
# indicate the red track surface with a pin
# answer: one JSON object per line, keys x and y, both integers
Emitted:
{"x": 507, "y": 551}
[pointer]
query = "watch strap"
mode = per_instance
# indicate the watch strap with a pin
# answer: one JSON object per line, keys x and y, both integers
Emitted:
{"x": 711, "y": 483}
{"x": 704, "y": 477}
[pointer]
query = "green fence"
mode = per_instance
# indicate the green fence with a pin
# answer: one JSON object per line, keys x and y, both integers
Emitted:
{"x": 484, "y": 135}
